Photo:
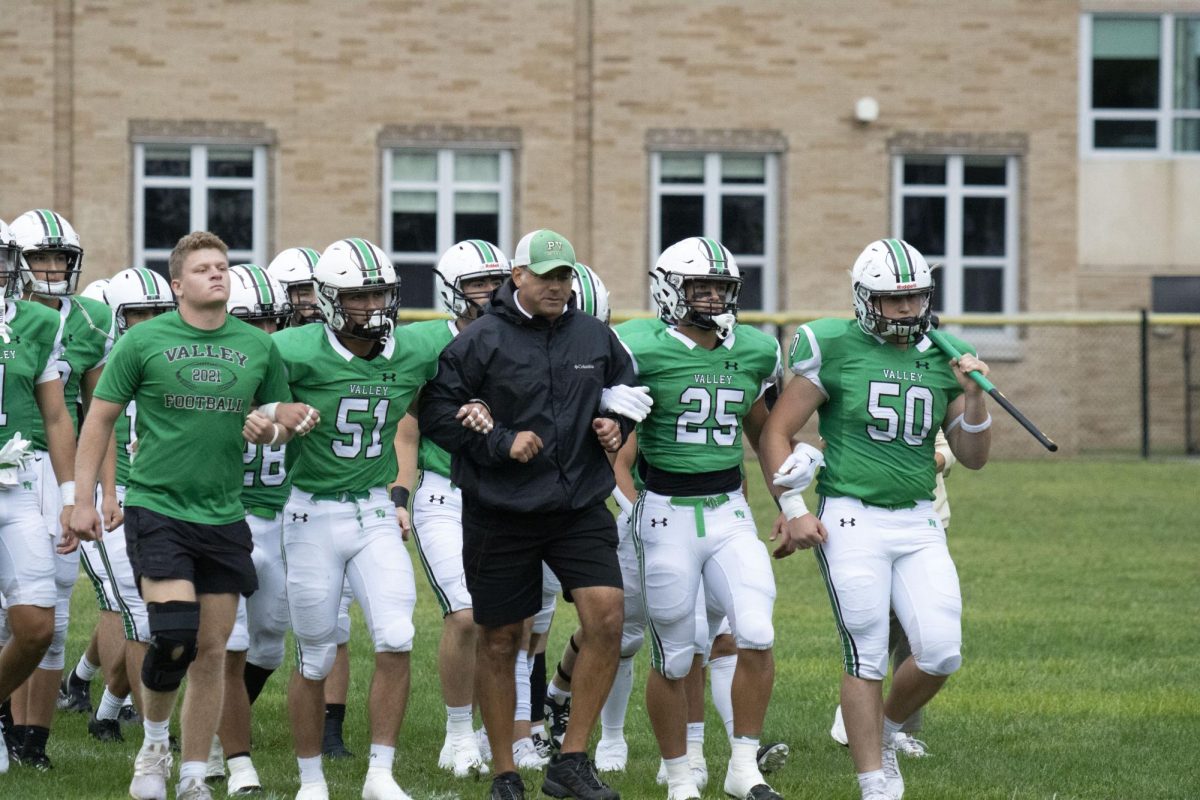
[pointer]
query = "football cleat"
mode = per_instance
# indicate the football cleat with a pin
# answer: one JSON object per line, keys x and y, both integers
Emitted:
{"x": 192, "y": 790}
{"x": 526, "y": 755}
{"x": 243, "y": 777}
{"x": 465, "y": 758}
{"x": 150, "y": 771}
{"x": 910, "y": 746}
{"x": 34, "y": 757}
{"x": 612, "y": 755}
{"x": 215, "y": 769}
{"x": 74, "y": 694}
{"x": 485, "y": 747}
{"x": 891, "y": 770}
{"x": 507, "y": 786}
{"x": 380, "y": 785}
{"x": 574, "y": 775}
{"x": 313, "y": 791}
{"x": 105, "y": 730}
{"x": 838, "y": 730}
{"x": 557, "y": 718}
{"x": 541, "y": 741}
{"x": 772, "y": 757}
{"x": 763, "y": 792}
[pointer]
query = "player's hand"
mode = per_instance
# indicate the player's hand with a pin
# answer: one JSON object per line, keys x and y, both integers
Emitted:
{"x": 259, "y": 430}
{"x": 112, "y": 512}
{"x": 300, "y": 418}
{"x": 525, "y": 446}
{"x": 798, "y": 469}
{"x": 969, "y": 363}
{"x": 80, "y": 522}
{"x": 608, "y": 432}
{"x": 476, "y": 417}
{"x": 631, "y": 402}
{"x": 800, "y": 533}
{"x": 403, "y": 520}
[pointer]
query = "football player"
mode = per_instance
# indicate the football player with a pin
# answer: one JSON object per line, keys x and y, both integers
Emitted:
{"x": 293, "y": 268}
{"x": 882, "y": 389}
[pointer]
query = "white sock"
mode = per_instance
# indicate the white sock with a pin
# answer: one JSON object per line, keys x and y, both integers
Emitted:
{"x": 381, "y": 757}
{"x": 612, "y": 715}
{"x": 86, "y": 670}
{"x": 310, "y": 770}
{"x": 458, "y": 720}
{"x": 157, "y": 732}
{"x": 555, "y": 693}
{"x": 192, "y": 770}
{"x": 522, "y": 714}
{"x": 110, "y": 705}
{"x": 872, "y": 780}
{"x": 678, "y": 771}
{"x": 720, "y": 671}
{"x": 890, "y": 729}
{"x": 743, "y": 753}
{"x": 239, "y": 763}
{"x": 695, "y": 732}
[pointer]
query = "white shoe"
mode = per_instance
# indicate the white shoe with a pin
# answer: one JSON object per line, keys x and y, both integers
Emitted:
{"x": 738, "y": 783}
{"x": 465, "y": 758}
{"x": 612, "y": 755}
{"x": 698, "y": 767}
{"x": 150, "y": 771}
{"x": 243, "y": 777}
{"x": 380, "y": 785}
{"x": 838, "y": 729}
{"x": 446, "y": 756}
{"x": 684, "y": 792}
{"x": 192, "y": 790}
{"x": 876, "y": 795}
{"x": 661, "y": 777}
{"x": 215, "y": 770}
{"x": 891, "y": 770}
{"x": 526, "y": 755}
{"x": 313, "y": 791}
{"x": 3, "y": 751}
{"x": 910, "y": 746}
{"x": 485, "y": 747}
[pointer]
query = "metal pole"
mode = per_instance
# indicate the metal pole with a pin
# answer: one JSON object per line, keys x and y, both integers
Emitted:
{"x": 1145, "y": 334}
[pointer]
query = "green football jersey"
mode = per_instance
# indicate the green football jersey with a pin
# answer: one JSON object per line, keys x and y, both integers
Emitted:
{"x": 265, "y": 481}
{"x": 88, "y": 334}
{"x": 360, "y": 401}
{"x": 700, "y": 396}
{"x": 193, "y": 389}
{"x": 30, "y": 341}
{"x": 126, "y": 432}
{"x": 884, "y": 407}
{"x": 434, "y": 334}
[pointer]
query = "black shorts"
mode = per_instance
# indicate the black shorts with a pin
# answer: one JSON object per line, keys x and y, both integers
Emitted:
{"x": 214, "y": 558}
{"x": 503, "y": 554}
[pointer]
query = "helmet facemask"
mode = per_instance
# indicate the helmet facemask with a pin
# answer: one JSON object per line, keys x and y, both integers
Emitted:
{"x": 379, "y": 323}
{"x": 157, "y": 306}
{"x": 10, "y": 268}
{"x": 303, "y": 312}
{"x": 468, "y": 306}
{"x": 868, "y": 308}
{"x": 58, "y": 282}
{"x": 671, "y": 290}
{"x": 279, "y": 313}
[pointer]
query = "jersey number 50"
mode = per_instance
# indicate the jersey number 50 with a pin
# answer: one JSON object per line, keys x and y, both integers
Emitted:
{"x": 918, "y": 410}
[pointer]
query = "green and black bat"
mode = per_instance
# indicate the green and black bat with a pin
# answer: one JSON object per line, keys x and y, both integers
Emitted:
{"x": 938, "y": 338}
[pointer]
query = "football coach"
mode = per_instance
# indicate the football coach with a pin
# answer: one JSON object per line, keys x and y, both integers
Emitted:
{"x": 560, "y": 389}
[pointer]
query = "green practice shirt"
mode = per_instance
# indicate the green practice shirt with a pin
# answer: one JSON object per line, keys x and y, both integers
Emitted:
{"x": 27, "y": 359}
{"x": 87, "y": 338}
{"x": 193, "y": 390}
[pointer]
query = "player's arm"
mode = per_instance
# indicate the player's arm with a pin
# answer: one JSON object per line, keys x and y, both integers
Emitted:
{"x": 622, "y": 463}
{"x": 968, "y": 423}
{"x": 796, "y": 528}
{"x": 408, "y": 439}
{"x": 60, "y": 439}
{"x": 753, "y": 422}
{"x": 94, "y": 442}
{"x": 112, "y": 513}
{"x": 456, "y": 385}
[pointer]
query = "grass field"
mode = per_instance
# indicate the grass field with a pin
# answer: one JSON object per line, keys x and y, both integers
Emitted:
{"x": 1081, "y": 676}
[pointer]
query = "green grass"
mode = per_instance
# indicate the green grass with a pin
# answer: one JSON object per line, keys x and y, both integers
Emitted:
{"x": 1080, "y": 679}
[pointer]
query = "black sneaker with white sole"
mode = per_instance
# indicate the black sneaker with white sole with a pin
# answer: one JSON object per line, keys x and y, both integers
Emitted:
{"x": 75, "y": 694}
{"x": 507, "y": 786}
{"x": 574, "y": 775}
{"x": 763, "y": 792}
{"x": 772, "y": 757}
{"x": 105, "y": 730}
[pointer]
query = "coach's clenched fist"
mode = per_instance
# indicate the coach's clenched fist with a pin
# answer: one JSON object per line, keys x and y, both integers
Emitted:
{"x": 525, "y": 446}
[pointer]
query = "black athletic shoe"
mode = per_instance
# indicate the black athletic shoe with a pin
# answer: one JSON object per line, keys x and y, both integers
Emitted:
{"x": 763, "y": 792}
{"x": 75, "y": 694}
{"x": 557, "y": 716}
{"x": 574, "y": 775}
{"x": 105, "y": 730}
{"x": 332, "y": 746}
{"x": 507, "y": 786}
{"x": 36, "y": 758}
{"x": 128, "y": 715}
{"x": 772, "y": 757}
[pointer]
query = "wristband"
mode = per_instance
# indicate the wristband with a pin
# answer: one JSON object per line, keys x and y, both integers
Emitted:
{"x": 66, "y": 491}
{"x": 400, "y": 496}
{"x": 980, "y": 428}
{"x": 791, "y": 503}
{"x": 268, "y": 410}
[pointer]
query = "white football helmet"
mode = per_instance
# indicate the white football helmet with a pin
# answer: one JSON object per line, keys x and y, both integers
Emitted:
{"x": 10, "y": 262}
{"x": 465, "y": 261}
{"x": 891, "y": 267}
{"x": 294, "y": 268}
{"x": 95, "y": 290}
{"x": 695, "y": 258}
{"x": 255, "y": 295}
{"x": 591, "y": 295}
{"x": 137, "y": 288}
{"x": 356, "y": 266}
{"x": 43, "y": 230}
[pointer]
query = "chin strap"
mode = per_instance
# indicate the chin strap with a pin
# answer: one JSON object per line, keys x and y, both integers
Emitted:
{"x": 724, "y": 323}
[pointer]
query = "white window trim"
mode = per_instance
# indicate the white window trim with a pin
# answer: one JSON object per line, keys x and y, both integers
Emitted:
{"x": 445, "y": 186}
{"x": 1165, "y": 115}
{"x": 713, "y": 190}
{"x": 199, "y": 183}
{"x": 1002, "y": 341}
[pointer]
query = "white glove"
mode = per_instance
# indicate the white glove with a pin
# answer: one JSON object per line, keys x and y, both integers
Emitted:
{"x": 14, "y": 457}
{"x": 799, "y": 469}
{"x": 631, "y": 402}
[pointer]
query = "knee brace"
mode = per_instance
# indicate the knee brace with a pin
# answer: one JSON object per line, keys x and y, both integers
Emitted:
{"x": 173, "y": 629}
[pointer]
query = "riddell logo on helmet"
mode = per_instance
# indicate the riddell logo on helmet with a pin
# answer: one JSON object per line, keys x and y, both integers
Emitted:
{"x": 906, "y": 286}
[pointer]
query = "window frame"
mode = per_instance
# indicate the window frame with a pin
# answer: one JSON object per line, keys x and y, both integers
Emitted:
{"x": 712, "y": 190}
{"x": 1002, "y": 340}
{"x": 198, "y": 183}
{"x": 444, "y": 187}
{"x": 1165, "y": 115}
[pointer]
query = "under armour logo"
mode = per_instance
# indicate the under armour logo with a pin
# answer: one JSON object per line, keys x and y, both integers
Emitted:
{"x": 299, "y": 517}
{"x": 731, "y": 365}
{"x": 849, "y": 522}
{"x": 389, "y": 377}
{"x": 440, "y": 499}
{"x": 654, "y": 523}
{"x": 922, "y": 365}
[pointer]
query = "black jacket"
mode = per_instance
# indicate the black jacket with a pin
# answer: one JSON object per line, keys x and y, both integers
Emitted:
{"x": 535, "y": 375}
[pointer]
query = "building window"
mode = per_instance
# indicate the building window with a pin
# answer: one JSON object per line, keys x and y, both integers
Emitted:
{"x": 433, "y": 198}
{"x": 960, "y": 211}
{"x": 181, "y": 188}
{"x": 732, "y": 197}
{"x": 1141, "y": 84}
